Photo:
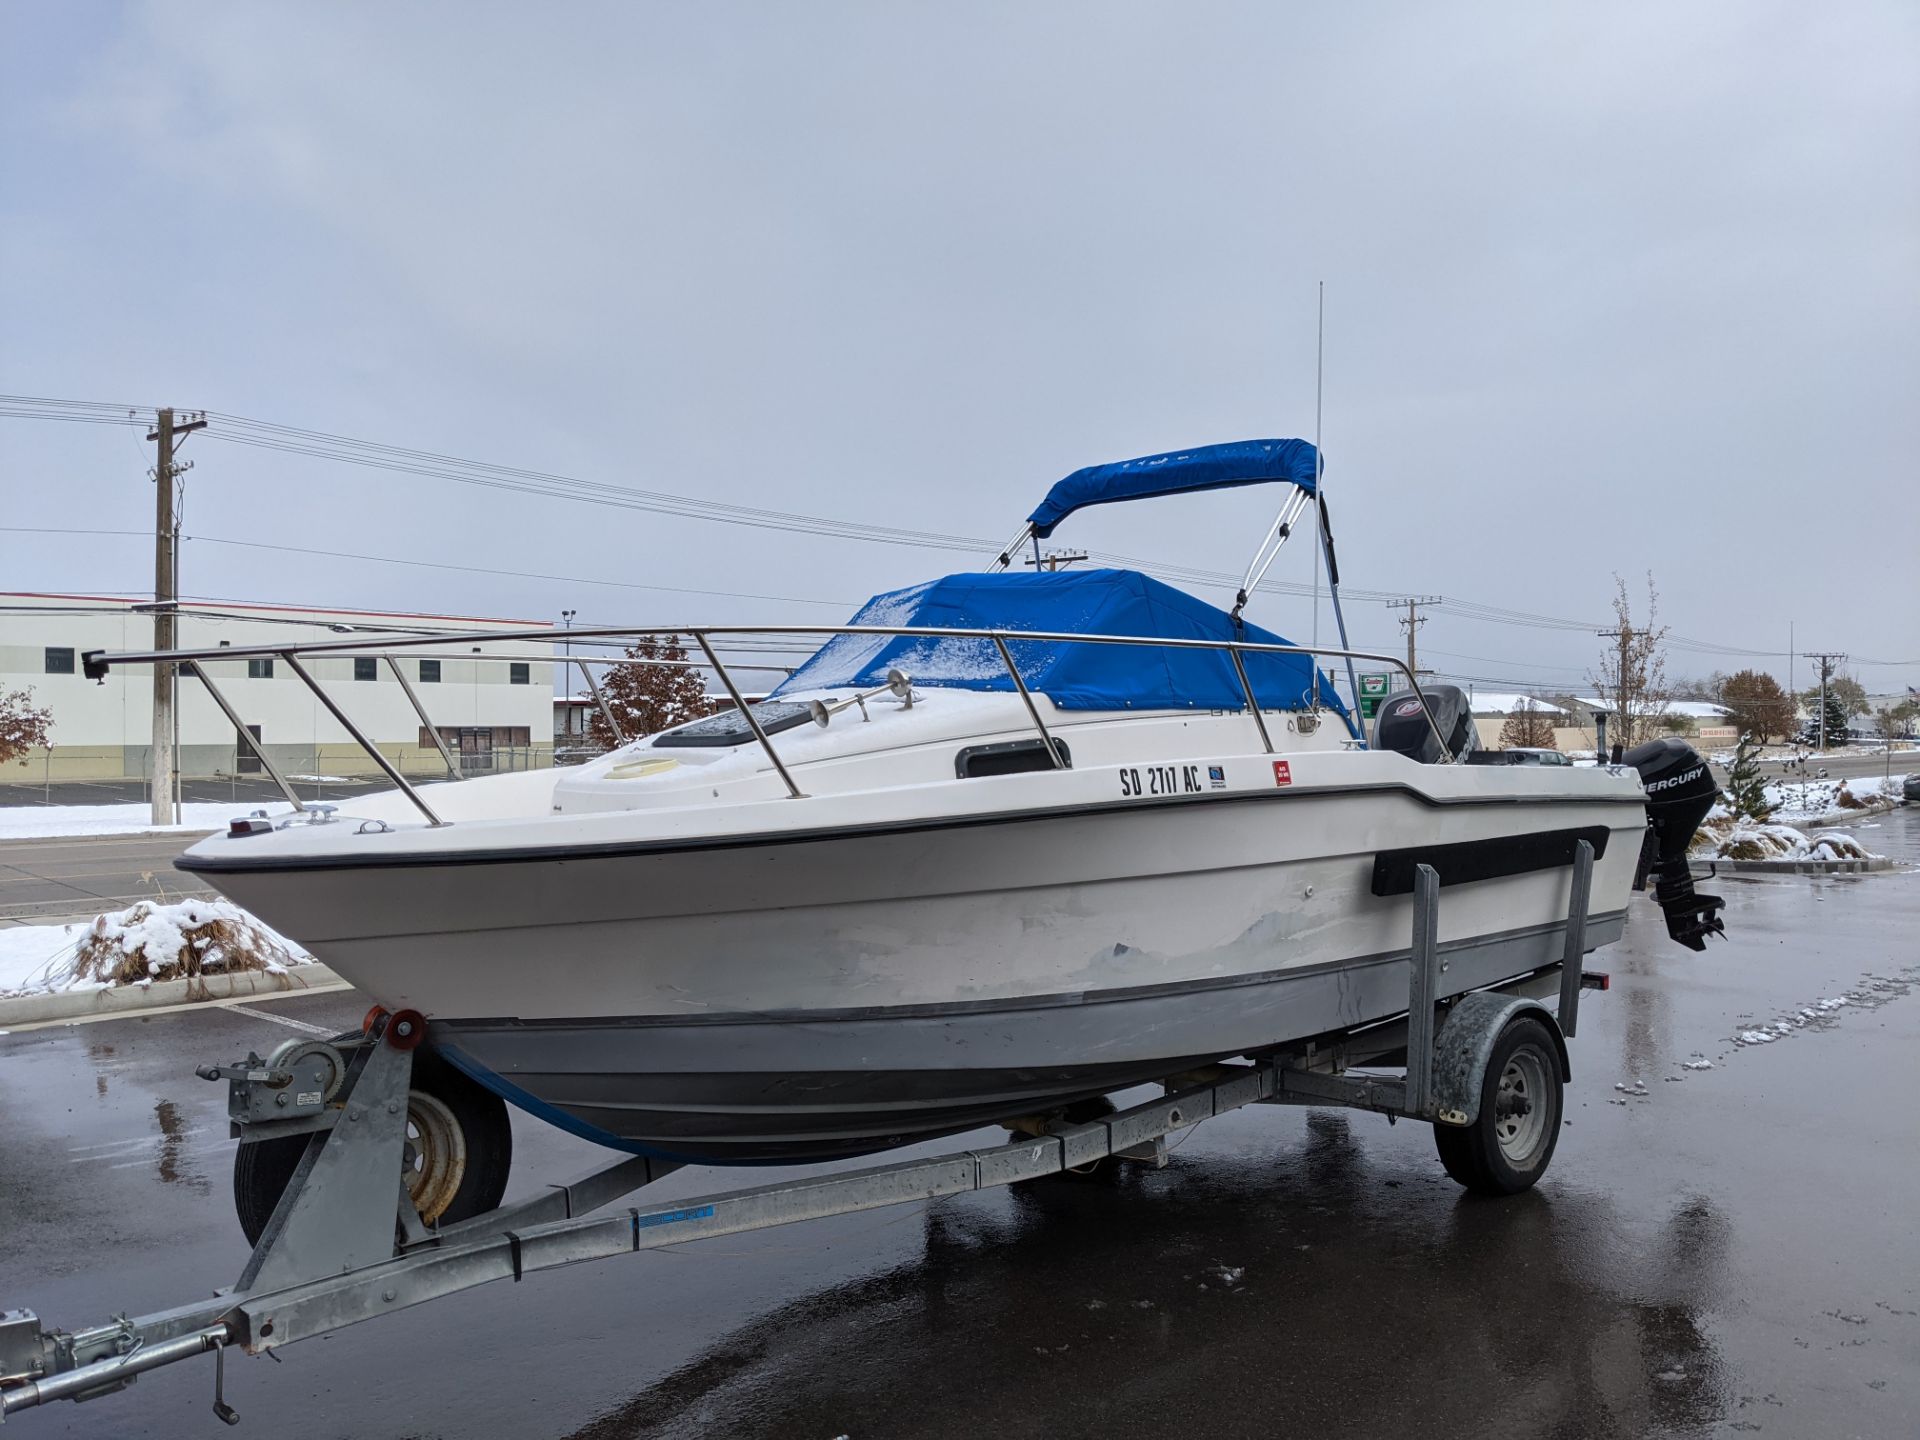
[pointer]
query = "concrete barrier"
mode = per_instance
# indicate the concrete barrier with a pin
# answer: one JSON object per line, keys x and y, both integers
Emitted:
{"x": 21, "y": 1010}
{"x": 1702, "y": 868}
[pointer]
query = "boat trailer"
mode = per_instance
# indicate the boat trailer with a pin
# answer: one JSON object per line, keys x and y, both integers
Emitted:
{"x": 346, "y": 1243}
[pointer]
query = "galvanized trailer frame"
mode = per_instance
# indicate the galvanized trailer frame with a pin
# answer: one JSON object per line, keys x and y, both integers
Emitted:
{"x": 334, "y": 1252}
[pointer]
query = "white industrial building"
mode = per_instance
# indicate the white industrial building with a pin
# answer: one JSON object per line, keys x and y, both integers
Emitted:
{"x": 493, "y": 714}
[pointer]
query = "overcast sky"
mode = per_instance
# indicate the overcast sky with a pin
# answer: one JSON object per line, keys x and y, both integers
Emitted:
{"x": 1609, "y": 289}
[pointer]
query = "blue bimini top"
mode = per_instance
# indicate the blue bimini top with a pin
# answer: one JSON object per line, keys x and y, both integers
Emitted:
{"x": 1203, "y": 467}
{"x": 1075, "y": 677}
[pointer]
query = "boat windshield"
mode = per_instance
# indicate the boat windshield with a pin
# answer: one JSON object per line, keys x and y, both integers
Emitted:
{"x": 730, "y": 727}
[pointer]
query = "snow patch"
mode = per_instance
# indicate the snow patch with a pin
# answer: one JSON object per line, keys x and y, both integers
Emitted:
{"x": 1721, "y": 837}
{"x": 141, "y": 944}
{"x": 44, "y": 822}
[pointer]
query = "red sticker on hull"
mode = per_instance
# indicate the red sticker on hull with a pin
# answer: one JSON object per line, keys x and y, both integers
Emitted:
{"x": 1282, "y": 775}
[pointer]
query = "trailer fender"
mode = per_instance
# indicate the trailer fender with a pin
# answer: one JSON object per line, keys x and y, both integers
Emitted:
{"x": 1465, "y": 1042}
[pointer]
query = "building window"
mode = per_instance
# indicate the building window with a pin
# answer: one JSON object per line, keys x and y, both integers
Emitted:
{"x": 260, "y": 669}
{"x": 365, "y": 667}
{"x": 59, "y": 660}
{"x": 519, "y": 672}
{"x": 429, "y": 672}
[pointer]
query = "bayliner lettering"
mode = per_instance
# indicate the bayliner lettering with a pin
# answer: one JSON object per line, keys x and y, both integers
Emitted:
{"x": 1160, "y": 780}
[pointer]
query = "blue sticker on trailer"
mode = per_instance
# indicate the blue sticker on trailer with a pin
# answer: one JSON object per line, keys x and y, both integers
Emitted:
{"x": 673, "y": 1217}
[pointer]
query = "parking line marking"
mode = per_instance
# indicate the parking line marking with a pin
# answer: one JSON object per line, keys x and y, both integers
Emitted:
{"x": 280, "y": 1019}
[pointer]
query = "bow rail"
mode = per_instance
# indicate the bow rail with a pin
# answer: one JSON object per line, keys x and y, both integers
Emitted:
{"x": 98, "y": 664}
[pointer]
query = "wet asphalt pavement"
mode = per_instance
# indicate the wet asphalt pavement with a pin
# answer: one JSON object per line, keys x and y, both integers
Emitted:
{"x": 1733, "y": 1251}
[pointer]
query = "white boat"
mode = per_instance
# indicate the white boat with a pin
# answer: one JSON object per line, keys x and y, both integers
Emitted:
{"x": 1007, "y": 842}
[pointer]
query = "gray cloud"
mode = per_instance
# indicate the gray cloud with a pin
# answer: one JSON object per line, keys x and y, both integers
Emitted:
{"x": 1608, "y": 290}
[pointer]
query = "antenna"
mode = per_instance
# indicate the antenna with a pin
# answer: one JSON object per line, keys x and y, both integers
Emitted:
{"x": 1319, "y": 470}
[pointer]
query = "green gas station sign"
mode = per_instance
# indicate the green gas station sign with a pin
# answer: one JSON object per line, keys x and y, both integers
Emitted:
{"x": 1373, "y": 689}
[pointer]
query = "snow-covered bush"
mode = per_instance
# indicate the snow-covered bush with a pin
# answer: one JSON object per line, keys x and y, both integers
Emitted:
{"x": 189, "y": 940}
{"x": 1727, "y": 837}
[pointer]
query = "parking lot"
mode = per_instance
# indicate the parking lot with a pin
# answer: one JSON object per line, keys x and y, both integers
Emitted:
{"x": 1715, "y": 1251}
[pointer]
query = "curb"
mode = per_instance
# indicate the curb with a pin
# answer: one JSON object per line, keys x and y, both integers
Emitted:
{"x": 1834, "y": 819}
{"x": 131, "y": 999}
{"x": 1704, "y": 868}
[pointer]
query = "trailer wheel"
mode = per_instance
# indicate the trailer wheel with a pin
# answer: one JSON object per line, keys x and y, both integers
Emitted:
{"x": 1507, "y": 1148}
{"x": 459, "y": 1149}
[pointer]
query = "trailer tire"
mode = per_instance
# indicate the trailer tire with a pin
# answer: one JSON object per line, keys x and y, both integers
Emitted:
{"x": 1510, "y": 1143}
{"x": 262, "y": 1169}
{"x": 443, "y": 1105}
{"x": 483, "y": 1132}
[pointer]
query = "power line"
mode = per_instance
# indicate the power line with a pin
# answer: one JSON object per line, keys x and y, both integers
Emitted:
{"x": 317, "y": 444}
{"x": 438, "y": 565}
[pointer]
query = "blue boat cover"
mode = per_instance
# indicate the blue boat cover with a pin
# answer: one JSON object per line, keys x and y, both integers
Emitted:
{"x": 1208, "y": 467}
{"x": 1076, "y": 677}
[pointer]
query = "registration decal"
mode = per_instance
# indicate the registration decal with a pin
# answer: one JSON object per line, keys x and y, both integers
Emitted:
{"x": 1282, "y": 773}
{"x": 1217, "y": 776}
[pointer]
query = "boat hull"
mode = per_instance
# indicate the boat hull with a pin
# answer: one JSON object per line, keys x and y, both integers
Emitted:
{"x": 841, "y": 993}
{"x": 745, "y": 1089}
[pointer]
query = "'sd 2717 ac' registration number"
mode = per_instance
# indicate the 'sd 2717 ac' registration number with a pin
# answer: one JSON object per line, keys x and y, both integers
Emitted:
{"x": 1160, "y": 780}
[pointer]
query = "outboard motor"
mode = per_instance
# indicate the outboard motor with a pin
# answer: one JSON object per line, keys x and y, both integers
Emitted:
{"x": 1401, "y": 725}
{"x": 1680, "y": 790}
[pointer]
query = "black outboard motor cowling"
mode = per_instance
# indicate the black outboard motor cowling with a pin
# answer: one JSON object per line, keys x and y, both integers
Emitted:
{"x": 1680, "y": 790}
{"x": 1402, "y": 726}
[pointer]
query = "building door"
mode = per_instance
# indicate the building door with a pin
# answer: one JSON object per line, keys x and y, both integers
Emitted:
{"x": 476, "y": 748}
{"x": 246, "y": 760}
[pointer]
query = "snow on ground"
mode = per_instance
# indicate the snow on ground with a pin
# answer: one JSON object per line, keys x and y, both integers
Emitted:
{"x": 36, "y": 959}
{"x": 1830, "y": 802}
{"x": 1724, "y": 838}
{"x": 29, "y": 952}
{"x": 39, "y": 822}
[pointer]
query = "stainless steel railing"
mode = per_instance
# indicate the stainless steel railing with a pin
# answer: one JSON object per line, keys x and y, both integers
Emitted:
{"x": 97, "y": 664}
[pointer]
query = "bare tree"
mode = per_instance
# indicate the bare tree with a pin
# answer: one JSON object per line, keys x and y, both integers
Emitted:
{"x": 1528, "y": 727}
{"x": 1708, "y": 689}
{"x": 23, "y": 726}
{"x": 1896, "y": 720}
{"x": 654, "y": 691}
{"x": 1632, "y": 678}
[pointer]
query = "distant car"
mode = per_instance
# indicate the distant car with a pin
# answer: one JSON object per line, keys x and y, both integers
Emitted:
{"x": 1912, "y": 788}
{"x": 1523, "y": 756}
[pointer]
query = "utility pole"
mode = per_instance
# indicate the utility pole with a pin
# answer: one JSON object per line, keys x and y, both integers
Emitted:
{"x": 1055, "y": 560}
{"x": 166, "y": 589}
{"x": 1412, "y": 621}
{"x": 1827, "y": 659}
{"x": 566, "y": 617}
